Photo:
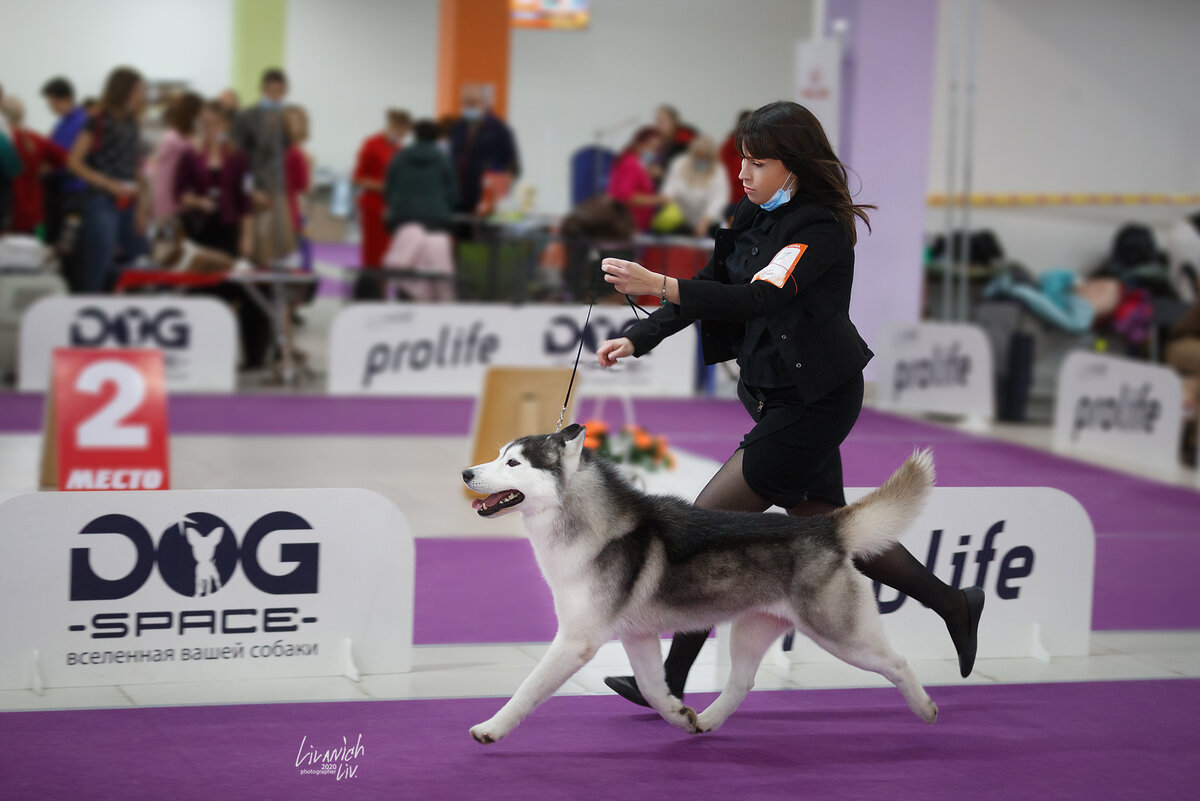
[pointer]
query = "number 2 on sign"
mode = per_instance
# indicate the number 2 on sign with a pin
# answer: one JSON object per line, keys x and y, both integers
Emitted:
{"x": 106, "y": 428}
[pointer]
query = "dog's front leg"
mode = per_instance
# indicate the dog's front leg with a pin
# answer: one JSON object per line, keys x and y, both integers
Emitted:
{"x": 645, "y": 657}
{"x": 567, "y": 654}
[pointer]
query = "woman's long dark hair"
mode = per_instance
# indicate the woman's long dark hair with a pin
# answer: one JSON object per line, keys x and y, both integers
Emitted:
{"x": 789, "y": 132}
{"x": 118, "y": 89}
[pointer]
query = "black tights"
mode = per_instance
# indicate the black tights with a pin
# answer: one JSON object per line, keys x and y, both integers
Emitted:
{"x": 895, "y": 567}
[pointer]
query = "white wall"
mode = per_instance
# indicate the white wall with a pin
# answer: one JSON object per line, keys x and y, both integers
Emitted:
{"x": 709, "y": 58}
{"x": 1077, "y": 96}
{"x": 349, "y": 60}
{"x": 84, "y": 39}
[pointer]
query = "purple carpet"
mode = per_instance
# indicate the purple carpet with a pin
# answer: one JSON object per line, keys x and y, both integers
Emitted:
{"x": 1123, "y": 740}
{"x": 1148, "y": 537}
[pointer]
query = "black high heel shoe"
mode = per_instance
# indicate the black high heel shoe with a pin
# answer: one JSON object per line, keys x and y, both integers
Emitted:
{"x": 966, "y": 654}
{"x": 626, "y": 687}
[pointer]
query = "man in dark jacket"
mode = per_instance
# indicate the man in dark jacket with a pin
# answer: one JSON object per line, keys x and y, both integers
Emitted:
{"x": 480, "y": 142}
{"x": 419, "y": 185}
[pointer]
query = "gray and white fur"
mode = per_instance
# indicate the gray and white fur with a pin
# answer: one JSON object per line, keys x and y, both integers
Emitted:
{"x": 627, "y": 565}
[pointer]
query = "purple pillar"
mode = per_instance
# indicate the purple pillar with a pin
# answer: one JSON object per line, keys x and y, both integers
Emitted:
{"x": 886, "y": 120}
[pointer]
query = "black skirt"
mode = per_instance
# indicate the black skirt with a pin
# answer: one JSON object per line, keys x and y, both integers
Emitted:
{"x": 791, "y": 455}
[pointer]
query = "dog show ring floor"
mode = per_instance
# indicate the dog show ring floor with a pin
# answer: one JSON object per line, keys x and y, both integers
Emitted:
{"x": 1118, "y": 723}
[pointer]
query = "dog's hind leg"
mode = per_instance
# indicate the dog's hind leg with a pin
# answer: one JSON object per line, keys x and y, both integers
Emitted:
{"x": 645, "y": 657}
{"x": 750, "y": 637}
{"x": 866, "y": 647}
{"x": 566, "y": 655}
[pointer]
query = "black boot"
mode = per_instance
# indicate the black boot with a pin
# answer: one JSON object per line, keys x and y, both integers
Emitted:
{"x": 685, "y": 647}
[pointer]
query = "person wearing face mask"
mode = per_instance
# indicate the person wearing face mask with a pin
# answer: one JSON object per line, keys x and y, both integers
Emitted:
{"x": 370, "y": 168}
{"x": 631, "y": 181}
{"x": 262, "y": 134}
{"x": 482, "y": 147}
{"x": 697, "y": 183}
{"x": 775, "y": 296}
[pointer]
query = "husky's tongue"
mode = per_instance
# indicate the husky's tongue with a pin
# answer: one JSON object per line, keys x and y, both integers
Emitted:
{"x": 491, "y": 500}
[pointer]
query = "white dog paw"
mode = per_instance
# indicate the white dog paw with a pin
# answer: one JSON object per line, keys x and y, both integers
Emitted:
{"x": 706, "y": 724}
{"x": 930, "y": 712}
{"x": 486, "y": 733}
{"x": 686, "y": 718}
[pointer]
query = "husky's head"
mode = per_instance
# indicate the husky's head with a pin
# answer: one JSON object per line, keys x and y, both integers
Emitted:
{"x": 529, "y": 473}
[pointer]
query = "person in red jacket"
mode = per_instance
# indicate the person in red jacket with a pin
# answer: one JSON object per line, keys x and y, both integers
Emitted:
{"x": 38, "y": 154}
{"x": 374, "y": 156}
{"x": 732, "y": 159}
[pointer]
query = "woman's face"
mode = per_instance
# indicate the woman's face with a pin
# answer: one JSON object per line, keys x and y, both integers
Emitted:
{"x": 210, "y": 125}
{"x": 664, "y": 122}
{"x": 762, "y": 178}
{"x": 296, "y": 126}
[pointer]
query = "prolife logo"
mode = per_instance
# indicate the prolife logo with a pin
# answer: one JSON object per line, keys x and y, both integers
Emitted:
{"x": 451, "y": 347}
{"x": 563, "y": 334}
{"x": 197, "y": 556}
{"x": 1131, "y": 410}
{"x": 1016, "y": 564}
{"x": 130, "y": 328}
{"x": 945, "y": 368}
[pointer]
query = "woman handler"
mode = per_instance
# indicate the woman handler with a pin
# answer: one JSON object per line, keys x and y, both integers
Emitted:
{"x": 776, "y": 296}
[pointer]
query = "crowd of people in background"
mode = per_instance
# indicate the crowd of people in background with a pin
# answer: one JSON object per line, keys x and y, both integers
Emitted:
{"x": 105, "y": 185}
{"x": 674, "y": 180}
{"x": 111, "y": 179}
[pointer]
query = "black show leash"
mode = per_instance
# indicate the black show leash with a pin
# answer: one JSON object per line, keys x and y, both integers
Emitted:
{"x": 582, "y": 336}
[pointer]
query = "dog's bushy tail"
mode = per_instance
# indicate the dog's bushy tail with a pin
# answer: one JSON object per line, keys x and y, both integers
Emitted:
{"x": 870, "y": 525}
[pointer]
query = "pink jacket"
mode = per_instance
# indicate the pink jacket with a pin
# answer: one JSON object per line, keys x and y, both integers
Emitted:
{"x": 161, "y": 172}
{"x": 629, "y": 178}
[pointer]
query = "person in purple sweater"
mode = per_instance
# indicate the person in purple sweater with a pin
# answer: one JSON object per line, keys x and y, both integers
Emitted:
{"x": 210, "y": 188}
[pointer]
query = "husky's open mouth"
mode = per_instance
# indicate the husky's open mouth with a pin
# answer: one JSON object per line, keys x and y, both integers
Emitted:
{"x": 496, "y": 501}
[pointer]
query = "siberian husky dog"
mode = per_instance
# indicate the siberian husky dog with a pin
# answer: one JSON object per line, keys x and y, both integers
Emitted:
{"x": 627, "y": 565}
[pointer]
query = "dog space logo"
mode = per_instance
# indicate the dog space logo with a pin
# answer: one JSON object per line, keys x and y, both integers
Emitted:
{"x": 198, "y": 555}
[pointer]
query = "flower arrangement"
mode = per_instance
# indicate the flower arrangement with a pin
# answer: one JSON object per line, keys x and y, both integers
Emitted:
{"x": 633, "y": 446}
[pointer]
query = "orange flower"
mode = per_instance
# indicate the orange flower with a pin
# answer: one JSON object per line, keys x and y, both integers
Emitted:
{"x": 598, "y": 427}
{"x": 591, "y": 442}
{"x": 641, "y": 440}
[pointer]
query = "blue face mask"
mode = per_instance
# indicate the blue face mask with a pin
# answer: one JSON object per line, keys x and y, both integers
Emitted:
{"x": 472, "y": 113}
{"x": 273, "y": 105}
{"x": 781, "y": 196}
{"x": 649, "y": 157}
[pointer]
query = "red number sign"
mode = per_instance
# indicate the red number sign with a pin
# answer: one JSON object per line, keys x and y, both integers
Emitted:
{"x": 110, "y": 419}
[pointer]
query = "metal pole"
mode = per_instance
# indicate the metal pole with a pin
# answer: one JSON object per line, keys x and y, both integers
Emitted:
{"x": 972, "y": 57}
{"x": 948, "y": 261}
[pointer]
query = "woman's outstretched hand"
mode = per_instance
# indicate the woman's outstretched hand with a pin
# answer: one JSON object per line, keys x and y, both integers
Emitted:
{"x": 613, "y": 349}
{"x": 631, "y": 278}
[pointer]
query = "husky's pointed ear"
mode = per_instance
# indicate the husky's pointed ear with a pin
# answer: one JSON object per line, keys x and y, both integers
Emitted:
{"x": 572, "y": 438}
{"x": 571, "y": 432}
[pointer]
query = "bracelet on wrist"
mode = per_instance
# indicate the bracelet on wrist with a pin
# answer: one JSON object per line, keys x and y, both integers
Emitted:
{"x": 662, "y": 297}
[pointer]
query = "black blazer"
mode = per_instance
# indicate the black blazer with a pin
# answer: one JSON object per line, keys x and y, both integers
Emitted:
{"x": 808, "y": 317}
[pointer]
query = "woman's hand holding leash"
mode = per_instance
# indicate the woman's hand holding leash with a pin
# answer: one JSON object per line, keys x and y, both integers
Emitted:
{"x": 614, "y": 349}
{"x": 631, "y": 278}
